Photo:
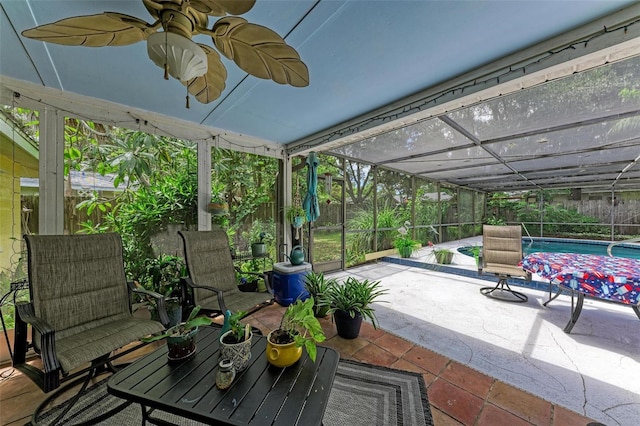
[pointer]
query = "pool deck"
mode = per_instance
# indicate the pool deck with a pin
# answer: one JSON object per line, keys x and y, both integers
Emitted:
{"x": 592, "y": 371}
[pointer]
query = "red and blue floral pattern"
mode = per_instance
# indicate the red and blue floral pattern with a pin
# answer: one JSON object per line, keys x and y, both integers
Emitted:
{"x": 612, "y": 278}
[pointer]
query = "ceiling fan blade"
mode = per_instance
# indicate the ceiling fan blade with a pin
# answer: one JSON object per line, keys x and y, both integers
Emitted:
{"x": 104, "y": 29}
{"x": 209, "y": 87}
{"x": 259, "y": 51}
{"x": 223, "y": 7}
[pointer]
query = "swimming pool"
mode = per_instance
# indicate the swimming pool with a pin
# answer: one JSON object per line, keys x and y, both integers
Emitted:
{"x": 561, "y": 245}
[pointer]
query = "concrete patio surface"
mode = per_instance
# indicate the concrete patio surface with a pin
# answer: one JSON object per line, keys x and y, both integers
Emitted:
{"x": 593, "y": 371}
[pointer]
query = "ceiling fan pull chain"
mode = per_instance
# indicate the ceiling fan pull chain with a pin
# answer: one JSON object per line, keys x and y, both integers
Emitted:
{"x": 188, "y": 107}
{"x": 166, "y": 53}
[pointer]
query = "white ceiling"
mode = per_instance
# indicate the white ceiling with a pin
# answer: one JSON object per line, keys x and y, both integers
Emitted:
{"x": 364, "y": 56}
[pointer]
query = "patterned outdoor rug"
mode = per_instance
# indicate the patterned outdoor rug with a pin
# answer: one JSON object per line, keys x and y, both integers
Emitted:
{"x": 362, "y": 394}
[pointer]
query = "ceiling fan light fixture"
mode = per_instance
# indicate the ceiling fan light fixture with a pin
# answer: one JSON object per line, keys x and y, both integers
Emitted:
{"x": 184, "y": 58}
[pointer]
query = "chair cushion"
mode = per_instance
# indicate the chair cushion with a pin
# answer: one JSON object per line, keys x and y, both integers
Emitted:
{"x": 85, "y": 346}
{"x": 512, "y": 271}
{"x": 244, "y": 301}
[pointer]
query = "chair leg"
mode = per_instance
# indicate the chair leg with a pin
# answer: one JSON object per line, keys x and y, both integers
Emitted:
{"x": 98, "y": 367}
{"x": 551, "y": 298}
{"x": 502, "y": 291}
{"x": 575, "y": 312}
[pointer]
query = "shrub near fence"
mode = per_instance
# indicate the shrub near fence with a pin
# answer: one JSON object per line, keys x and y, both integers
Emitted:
{"x": 626, "y": 212}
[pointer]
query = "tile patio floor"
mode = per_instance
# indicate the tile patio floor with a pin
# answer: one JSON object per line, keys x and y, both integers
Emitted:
{"x": 458, "y": 394}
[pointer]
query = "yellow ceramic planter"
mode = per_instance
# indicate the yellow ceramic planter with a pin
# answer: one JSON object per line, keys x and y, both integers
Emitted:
{"x": 282, "y": 355}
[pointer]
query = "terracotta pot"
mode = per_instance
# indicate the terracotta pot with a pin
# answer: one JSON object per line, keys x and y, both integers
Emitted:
{"x": 238, "y": 353}
{"x": 282, "y": 355}
{"x": 218, "y": 208}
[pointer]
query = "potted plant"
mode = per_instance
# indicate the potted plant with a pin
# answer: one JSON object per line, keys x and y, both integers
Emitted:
{"x": 250, "y": 276}
{"x": 351, "y": 302}
{"x": 162, "y": 275}
{"x": 218, "y": 205}
{"x": 260, "y": 236}
{"x": 181, "y": 338}
{"x": 443, "y": 256}
{"x": 296, "y": 216}
{"x": 403, "y": 242}
{"x": 318, "y": 287}
{"x": 298, "y": 328}
{"x": 235, "y": 340}
{"x": 246, "y": 282}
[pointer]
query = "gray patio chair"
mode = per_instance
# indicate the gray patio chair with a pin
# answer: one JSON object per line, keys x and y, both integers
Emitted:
{"x": 79, "y": 312}
{"x": 212, "y": 276}
{"x": 501, "y": 255}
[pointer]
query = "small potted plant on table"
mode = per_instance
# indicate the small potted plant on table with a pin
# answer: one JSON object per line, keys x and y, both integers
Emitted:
{"x": 298, "y": 327}
{"x": 235, "y": 343}
{"x": 351, "y": 302}
{"x": 181, "y": 338}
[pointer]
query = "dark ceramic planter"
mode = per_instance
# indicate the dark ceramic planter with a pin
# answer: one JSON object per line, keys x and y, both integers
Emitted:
{"x": 249, "y": 286}
{"x": 258, "y": 250}
{"x": 348, "y": 328}
{"x": 183, "y": 346}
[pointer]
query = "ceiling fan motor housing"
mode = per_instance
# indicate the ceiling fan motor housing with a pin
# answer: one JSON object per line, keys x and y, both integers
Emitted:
{"x": 184, "y": 58}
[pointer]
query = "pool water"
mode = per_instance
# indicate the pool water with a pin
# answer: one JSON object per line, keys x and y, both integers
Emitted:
{"x": 555, "y": 245}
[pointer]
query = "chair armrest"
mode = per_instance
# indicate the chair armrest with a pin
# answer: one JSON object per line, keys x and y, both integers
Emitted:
{"x": 25, "y": 314}
{"x": 507, "y": 270}
{"x": 136, "y": 288}
{"x": 188, "y": 285}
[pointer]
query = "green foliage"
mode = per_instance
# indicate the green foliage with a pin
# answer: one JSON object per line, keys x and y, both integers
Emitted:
{"x": 355, "y": 297}
{"x": 476, "y": 251}
{"x": 495, "y": 221}
{"x": 404, "y": 240}
{"x": 237, "y": 327}
{"x": 218, "y": 192}
{"x": 558, "y": 219}
{"x": 295, "y": 211}
{"x": 168, "y": 199}
{"x": 163, "y": 273}
{"x": 249, "y": 180}
{"x": 318, "y": 287}
{"x": 300, "y": 322}
{"x": 362, "y": 242}
{"x": 261, "y": 232}
{"x": 182, "y": 329}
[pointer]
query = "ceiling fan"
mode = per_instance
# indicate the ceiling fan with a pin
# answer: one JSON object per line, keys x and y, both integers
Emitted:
{"x": 255, "y": 49}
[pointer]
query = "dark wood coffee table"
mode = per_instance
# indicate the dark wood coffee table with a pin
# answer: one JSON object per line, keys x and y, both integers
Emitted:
{"x": 261, "y": 394}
